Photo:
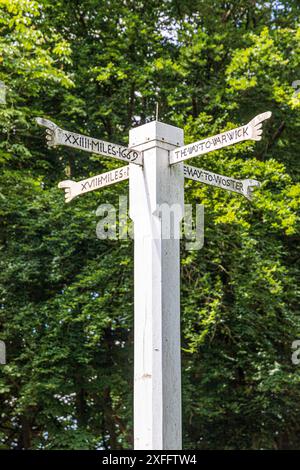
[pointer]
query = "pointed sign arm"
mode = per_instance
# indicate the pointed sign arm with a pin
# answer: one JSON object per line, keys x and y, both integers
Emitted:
{"x": 244, "y": 187}
{"x": 251, "y": 131}
{"x": 76, "y": 188}
{"x": 57, "y": 136}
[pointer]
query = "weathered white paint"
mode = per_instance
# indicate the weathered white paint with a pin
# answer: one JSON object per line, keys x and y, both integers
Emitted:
{"x": 251, "y": 131}
{"x": 157, "y": 364}
{"x": 75, "y": 188}
{"x": 244, "y": 187}
{"x": 57, "y": 136}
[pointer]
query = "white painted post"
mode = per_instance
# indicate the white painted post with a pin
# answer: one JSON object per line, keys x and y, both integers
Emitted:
{"x": 157, "y": 364}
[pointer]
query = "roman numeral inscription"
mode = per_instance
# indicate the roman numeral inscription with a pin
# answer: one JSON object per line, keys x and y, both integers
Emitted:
{"x": 251, "y": 131}
{"x": 73, "y": 188}
{"x": 244, "y": 187}
{"x": 57, "y": 136}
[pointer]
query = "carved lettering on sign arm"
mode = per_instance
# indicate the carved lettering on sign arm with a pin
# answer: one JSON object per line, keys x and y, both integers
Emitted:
{"x": 244, "y": 187}
{"x": 73, "y": 188}
{"x": 56, "y": 136}
{"x": 251, "y": 131}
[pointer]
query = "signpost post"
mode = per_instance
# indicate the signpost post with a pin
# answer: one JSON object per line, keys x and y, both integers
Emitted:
{"x": 157, "y": 366}
{"x": 156, "y": 190}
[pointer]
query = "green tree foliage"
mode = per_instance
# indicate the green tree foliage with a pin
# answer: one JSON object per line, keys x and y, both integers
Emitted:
{"x": 66, "y": 309}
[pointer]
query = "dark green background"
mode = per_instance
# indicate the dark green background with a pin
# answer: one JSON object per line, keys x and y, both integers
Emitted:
{"x": 66, "y": 298}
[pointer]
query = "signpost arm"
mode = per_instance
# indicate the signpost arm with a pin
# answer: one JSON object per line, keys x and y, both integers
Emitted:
{"x": 76, "y": 188}
{"x": 57, "y": 136}
{"x": 244, "y": 187}
{"x": 251, "y": 131}
{"x": 157, "y": 364}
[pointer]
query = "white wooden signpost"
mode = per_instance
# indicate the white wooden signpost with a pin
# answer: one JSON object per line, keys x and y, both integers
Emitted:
{"x": 156, "y": 176}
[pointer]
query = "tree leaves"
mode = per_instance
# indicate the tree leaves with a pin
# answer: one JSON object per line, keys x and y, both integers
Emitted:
{"x": 66, "y": 309}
